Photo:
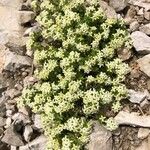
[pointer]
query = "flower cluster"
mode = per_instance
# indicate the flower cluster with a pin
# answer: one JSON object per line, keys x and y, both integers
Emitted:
{"x": 79, "y": 72}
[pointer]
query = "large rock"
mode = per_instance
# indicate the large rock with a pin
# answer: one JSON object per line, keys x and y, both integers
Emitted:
{"x": 100, "y": 139}
{"x": 9, "y": 19}
{"x": 141, "y": 42}
{"x": 26, "y": 16}
{"x": 14, "y": 61}
{"x": 118, "y": 5}
{"x": 144, "y": 64}
{"x": 132, "y": 119}
{"x": 16, "y": 4}
{"x": 37, "y": 144}
{"x": 11, "y": 137}
{"x": 109, "y": 11}
{"x": 145, "y": 29}
{"x": 14, "y": 41}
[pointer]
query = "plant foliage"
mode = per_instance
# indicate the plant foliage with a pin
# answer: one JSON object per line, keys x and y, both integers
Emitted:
{"x": 79, "y": 71}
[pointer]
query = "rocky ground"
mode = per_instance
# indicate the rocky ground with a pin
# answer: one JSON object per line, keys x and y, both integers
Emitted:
{"x": 22, "y": 130}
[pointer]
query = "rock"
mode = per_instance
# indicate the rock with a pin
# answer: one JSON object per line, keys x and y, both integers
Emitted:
{"x": 144, "y": 64}
{"x": 26, "y": 16}
{"x": 14, "y": 41}
{"x": 109, "y": 11}
{"x": 141, "y": 42}
{"x": 143, "y": 133}
{"x": 11, "y": 137}
{"x": 4, "y": 146}
{"x": 134, "y": 26}
{"x": 137, "y": 96}
{"x": 2, "y": 121}
{"x": 8, "y": 122}
{"x": 2, "y": 54}
{"x": 13, "y": 148}
{"x": 37, "y": 122}
{"x": 12, "y": 93}
{"x": 132, "y": 119}
{"x": 141, "y": 12}
{"x": 124, "y": 54}
{"x": 3, "y": 39}
{"x": 1, "y": 131}
{"x": 144, "y": 146}
{"x": 16, "y": 4}
{"x": 3, "y": 84}
{"x": 147, "y": 15}
{"x": 29, "y": 80}
{"x": 129, "y": 17}
{"x": 28, "y": 131}
{"x": 100, "y": 138}
{"x": 9, "y": 19}
{"x": 9, "y": 113}
{"x": 14, "y": 61}
{"x": 24, "y": 110}
{"x": 2, "y": 106}
{"x": 37, "y": 144}
{"x": 118, "y": 5}
{"x": 21, "y": 117}
{"x": 31, "y": 29}
{"x": 145, "y": 29}
{"x": 140, "y": 3}
{"x": 18, "y": 126}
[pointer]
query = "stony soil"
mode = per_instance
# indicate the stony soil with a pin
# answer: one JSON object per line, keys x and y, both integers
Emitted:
{"x": 22, "y": 130}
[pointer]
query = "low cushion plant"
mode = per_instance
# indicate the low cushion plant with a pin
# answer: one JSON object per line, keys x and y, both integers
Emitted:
{"x": 75, "y": 53}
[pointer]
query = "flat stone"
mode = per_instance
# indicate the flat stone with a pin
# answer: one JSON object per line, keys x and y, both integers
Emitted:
{"x": 100, "y": 138}
{"x": 144, "y": 64}
{"x": 132, "y": 119}
{"x": 137, "y": 96}
{"x": 143, "y": 133}
{"x": 118, "y": 5}
{"x": 141, "y": 42}
{"x": 37, "y": 144}
{"x": 11, "y": 137}
{"x": 145, "y": 29}
{"x": 109, "y": 11}
{"x": 14, "y": 61}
